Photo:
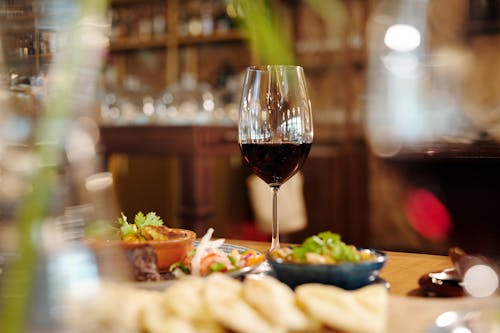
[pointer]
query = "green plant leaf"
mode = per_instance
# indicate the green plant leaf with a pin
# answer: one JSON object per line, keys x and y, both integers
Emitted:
{"x": 267, "y": 36}
{"x": 153, "y": 219}
{"x": 140, "y": 219}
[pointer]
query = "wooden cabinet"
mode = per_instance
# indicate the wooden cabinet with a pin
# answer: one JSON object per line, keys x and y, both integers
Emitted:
{"x": 157, "y": 41}
{"x": 29, "y": 39}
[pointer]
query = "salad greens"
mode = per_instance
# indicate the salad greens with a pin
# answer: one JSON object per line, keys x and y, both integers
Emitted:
{"x": 327, "y": 243}
{"x": 324, "y": 248}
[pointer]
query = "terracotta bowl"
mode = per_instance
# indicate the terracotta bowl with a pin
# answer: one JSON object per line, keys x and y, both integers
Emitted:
{"x": 167, "y": 251}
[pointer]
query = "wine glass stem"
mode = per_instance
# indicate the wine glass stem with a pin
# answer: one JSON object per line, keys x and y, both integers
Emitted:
{"x": 275, "y": 231}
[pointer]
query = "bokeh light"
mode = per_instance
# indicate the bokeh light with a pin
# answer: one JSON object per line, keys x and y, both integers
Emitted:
{"x": 402, "y": 38}
{"x": 428, "y": 215}
{"x": 447, "y": 318}
{"x": 481, "y": 281}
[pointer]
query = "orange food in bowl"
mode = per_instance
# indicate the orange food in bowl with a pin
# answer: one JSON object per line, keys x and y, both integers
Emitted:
{"x": 168, "y": 251}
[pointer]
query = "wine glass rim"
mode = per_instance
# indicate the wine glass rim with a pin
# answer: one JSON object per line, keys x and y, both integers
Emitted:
{"x": 266, "y": 68}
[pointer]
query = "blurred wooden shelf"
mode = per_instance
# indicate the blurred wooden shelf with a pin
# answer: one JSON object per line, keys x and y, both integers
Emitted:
{"x": 175, "y": 51}
{"x": 21, "y": 17}
{"x": 137, "y": 43}
{"x": 21, "y": 29}
{"x": 217, "y": 37}
{"x": 483, "y": 149}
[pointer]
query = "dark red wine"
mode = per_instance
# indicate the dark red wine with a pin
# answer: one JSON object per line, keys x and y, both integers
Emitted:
{"x": 275, "y": 162}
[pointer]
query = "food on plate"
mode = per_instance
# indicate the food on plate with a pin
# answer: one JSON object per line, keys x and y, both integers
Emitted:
{"x": 208, "y": 257}
{"x": 325, "y": 258}
{"x": 147, "y": 243}
{"x": 265, "y": 293}
{"x": 108, "y": 307}
{"x": 168, "y": 251}
{"x": 323, "y": 248}
{"x": 145, "y": 228}
{"x": 184, "y": 301}
{"x": 219, "y": 303}
{"x": 363, "y": 310}
{"x": 224, "y": 299}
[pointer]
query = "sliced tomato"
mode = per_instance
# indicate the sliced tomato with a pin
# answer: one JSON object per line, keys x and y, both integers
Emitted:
{"x": 206, "y": 262}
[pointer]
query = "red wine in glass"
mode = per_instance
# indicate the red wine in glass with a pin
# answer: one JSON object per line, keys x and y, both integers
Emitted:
{"x": 275, "y": 163}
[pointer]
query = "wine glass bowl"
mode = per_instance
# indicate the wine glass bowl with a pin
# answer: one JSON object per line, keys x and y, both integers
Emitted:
{"x": 275, "y": 129}
{"x": 275, "y": 163}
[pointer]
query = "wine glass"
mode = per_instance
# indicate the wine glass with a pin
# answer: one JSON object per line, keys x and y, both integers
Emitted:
{"x": 275, "y": 129}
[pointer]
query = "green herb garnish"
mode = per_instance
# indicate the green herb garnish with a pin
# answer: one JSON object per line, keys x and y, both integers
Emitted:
{"x": 217, "y": 267}
{"x": 151, "y": 218}
{"x": 125, "y": 227}
{"x": 328, "y": 244}
{"x": 144, "y": 226}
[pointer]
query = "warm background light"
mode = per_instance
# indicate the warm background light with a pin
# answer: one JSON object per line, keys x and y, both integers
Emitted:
{"x": 402, "y": 38}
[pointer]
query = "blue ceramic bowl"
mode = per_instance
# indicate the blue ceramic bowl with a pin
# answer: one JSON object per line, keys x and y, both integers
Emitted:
{"x": 348, "y": 276}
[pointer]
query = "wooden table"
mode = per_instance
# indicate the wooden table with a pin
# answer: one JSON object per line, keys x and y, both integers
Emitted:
{"x": 402, "y": 270}
{"x": 405, "y": 312}
{"x": 196, "y": 148}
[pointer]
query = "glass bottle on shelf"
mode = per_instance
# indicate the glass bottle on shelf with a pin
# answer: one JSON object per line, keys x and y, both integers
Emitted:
{"x": 206, "y": 18}
{"x": 194, "y": 17}
{"x": 26, "y": 46}
{"x": 183, "y": 26}
{"x": 223, "y": 22}
{"x": 115, "y": 24}
{"x": 159, "y": 21}
{"x": 31, "y": 46}
{"x": 144, "y": 22}
{"x": 19, "y": 46}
